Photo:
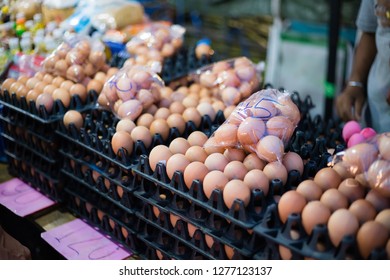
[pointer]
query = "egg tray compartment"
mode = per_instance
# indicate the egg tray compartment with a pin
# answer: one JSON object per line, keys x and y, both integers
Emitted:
{"x": 222, "y": 233}
{"x": 317, "y": 245}
{"x": 175, "y": 195}
{"x": 105, "y": 217}
{"x": 183, "y": 62}
{"x": 117, "y": 195}
{"x": 96, "y": 137}
{"x": 37, "y": 179}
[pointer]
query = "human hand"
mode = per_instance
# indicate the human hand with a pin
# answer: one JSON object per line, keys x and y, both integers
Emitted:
{"x": 382, "y": 11}
{"x": 349, "y": 103}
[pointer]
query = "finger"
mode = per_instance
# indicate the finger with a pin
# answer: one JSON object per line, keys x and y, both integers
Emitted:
{"x": 358, "y": 108}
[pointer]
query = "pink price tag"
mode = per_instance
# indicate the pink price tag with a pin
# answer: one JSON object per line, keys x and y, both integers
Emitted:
{"x": 22, "y": 199}
{"x": 77, "y": 240}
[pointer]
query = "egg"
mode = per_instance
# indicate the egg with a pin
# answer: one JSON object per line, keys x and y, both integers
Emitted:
{"x": 46, "y": 100}
{"x": 145, "y": 119}
{"x": 31, "y": 82}
{"x": 256, "y": 179}
{"x": 95, "y": 85}
{"x": 6, "y": 85}
{"x": 355, "y": 139}
{"x": 196, "y": 153}
{"x": 334, "y": 199}
{"x": 350, "y": 128}
{"x": 371, "y": 235}
{"x": 177, "y": 162}
{"x": 379, "y": 201}
{"x": 75, "y": 117}
{"x": 377, "y": 174}
{"x": 276, "y": 170}
{"x": 360, "y": 157}
{"x": 215, "y": 179}
{"x": 226, "y": 135}
{"x": 125, "y": 125}
{"x": 191, "y": 114}
{"x": 75, "y": 73}
{"x": 281, "y": 127}
{"x": 288, "y": 109}
{"x": 252, "y": 161}
{"x": 67, "y": 84}
{"x": 352, "y": 189}
{"x": 342, "y": 169}
{"x": 293, "y": 161}
{"x": 236, "y": 189}
{"x": 179, "y": 146}
{"x": 197, "y": 138}
{"x": 270, "y": 148}
{"x": 383, "y": 217}
{"x": 194, "y": 171}
{"x": 250, "y": 131}
{"x": 289, "y": 203}
{"x": 79, "y": 90}
{"x": 206, "y": 109}
{"x": 122, "y": 139}
{"x": 130, "y": 109}
{"x": 313, "y": 214}
{"x": 230, "y": 96}
{"x": 327, "y": 178}
{"x": 384, "y": 145}
{"x": 161, "y": 127}
{"x": 142, "y": 133}
{"x": 176, "y": 120}
{"x": 235, "y": 170}
{"x": 342, "y": 223}
{"x": 32, "y": 95}
{"x": 63, "y": 95}
{"x": 160, "y": 153}
{"x": 363, "y": 210}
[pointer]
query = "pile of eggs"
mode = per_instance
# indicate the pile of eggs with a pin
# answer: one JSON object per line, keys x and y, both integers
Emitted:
{"x": 76, "y": 62}
{"x": 154, "y": 44}
{"x": 264, "y": 123}
{"x": 354, "y": 134}
{"x": 230, "y": 80}
{"x": 344, "y": 205}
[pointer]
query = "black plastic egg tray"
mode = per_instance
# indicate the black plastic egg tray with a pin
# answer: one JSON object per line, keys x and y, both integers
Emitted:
{"x": 317, "y": 245}
{"x": 175, "y": 67}
{"x": 34, "y": 170}
{"x": 30, "y": 110}
{"x": 99, "y": 127}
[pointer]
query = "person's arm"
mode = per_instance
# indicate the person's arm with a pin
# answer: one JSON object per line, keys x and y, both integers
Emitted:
{"x": 350, "y": 102}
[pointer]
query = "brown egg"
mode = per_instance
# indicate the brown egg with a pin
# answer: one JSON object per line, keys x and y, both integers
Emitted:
{"x": 197, "y": 138}
{"x": 235, "y": 154}
{"x": 371, "y": 235}
{"x": 342, "y": 169}
{"x": 145, "y": 119}
{"x": 363, "y": 210}
{"x": 67, "y": 84}
{"x": 177, "y": 107}
{"x": 215, "y": 179}
{"x": 231, "y": 96}
{"x": 23, "y": 79}
{"x": 125, "y": 125}
{"x": 327, "y": 178}
{"x": 160, "y": 126}
{"x": 383, "y": 217}
{"x": 196, "y": 153}
{"x": 95, "y": 85}
{"x": 191, "y": 114}
{"x": 177, "y": 162}
{"x": 270, "y": 148}
{"x": 130, "y": 109}
{"x": 143, "y": 134}
{"x": 314, "y": 213}
{"x": 379, "y": 201}
{"x": 75, "y": 73}
{"x": 195, "y": 171}
{"x": 250, "y": 131}
{"x": 360, "y": 156}
{"x": 340, "y": 224}
{"x": 289, "y": 203}
{"x": 158, "y": 154}
{"x": 252, "y": 161}
{"x": 32, "y": 95}
{"x": 101, "y": 77}
{"x": 257, "y": 180}
{"x": 162, "y": 113}
{"x": 15, "y": 87}
{"x": 31, "y": 82}
{"x": 226, "y": 135}
{"x": 6, "y": 85}
{"x": 206, "y": 109}
{"x": 122, "y": 139}
{"x": 378, "y": 176}
{"x": 216, "y": 161}
{"x": 80, "y": 90}
{"x": 63, "y": 95}
{"x": 61, "y": 67}
{"x": 288, "y": 109}
{"x": 57, "y": 81}
{"x": 75, "y": 117}
{"x": 310, "y": 190}
{"x": 49, "y": 88}
{"x": 352, "y": 189}
{"x": 334, "y": 199}
{"x": 281, "y": 127}
{"x": 236, "y": 189}
{"x": 293, "y": 161}
{"x": 46, "y": 100}
{"x": 235, "y": 170}
{"x": 177, "y": 120}
{"x": 276, "y": 170}
{"x": 384, "y": 145}
{"x": 179, "y": 146}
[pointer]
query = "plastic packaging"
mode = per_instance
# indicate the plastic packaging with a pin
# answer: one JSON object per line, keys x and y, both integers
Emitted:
{"x": 76, "y": 58}
{"x": 368, "y": 162}
{"x": 231, "y": 80}
{"x": 131, "y": 90}
{"x": 263, "y": 124}
{"x": 155, "y": 43}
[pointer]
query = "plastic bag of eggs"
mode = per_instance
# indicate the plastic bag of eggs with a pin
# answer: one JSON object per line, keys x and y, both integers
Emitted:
{"x": 132, "y": 90}
{"x": 231, "y": 80}
{"x": 262, "y": 124}
{"x": 368, "y": 162}
{"x": 77, "y": 58}
{"x": 156, "y": 42}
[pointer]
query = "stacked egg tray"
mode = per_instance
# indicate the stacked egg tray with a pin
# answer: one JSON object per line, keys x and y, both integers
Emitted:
{"x": 30, "y": 140}
{"x": 175, "y": 67}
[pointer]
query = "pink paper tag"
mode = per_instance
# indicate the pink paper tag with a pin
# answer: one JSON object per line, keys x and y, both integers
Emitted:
{"x": 77, "y": 240}
{"x": 22, "y": 199}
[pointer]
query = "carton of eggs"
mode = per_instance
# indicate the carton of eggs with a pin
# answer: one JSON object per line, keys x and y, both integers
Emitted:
{"x": 132, "y": 90}
{"x": 230, "y": 80}
{"x": 77, "y": 58}
{"x": 262, "y": 124}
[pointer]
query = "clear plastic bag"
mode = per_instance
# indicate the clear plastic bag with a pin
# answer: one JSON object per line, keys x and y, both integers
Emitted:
{"x": 231, "y": 80}
{"x": 131, "y": 90}
{"x": 78, "y": 57}
{"x": 262, "y": 124}
{"x": 368, "y": 162}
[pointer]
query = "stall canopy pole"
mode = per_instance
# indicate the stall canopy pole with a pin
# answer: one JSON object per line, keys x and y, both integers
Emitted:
{"x": 333, "y": 39}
